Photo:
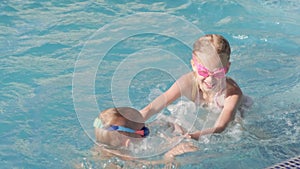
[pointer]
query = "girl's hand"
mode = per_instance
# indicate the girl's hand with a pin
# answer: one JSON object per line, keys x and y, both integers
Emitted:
{"x": 194, "y": 136}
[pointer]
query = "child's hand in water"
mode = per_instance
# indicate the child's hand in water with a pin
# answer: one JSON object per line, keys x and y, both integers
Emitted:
{"x": 177, "y": 129}
{"x": 194, "y": 136}
{"x": 179, "y": 149}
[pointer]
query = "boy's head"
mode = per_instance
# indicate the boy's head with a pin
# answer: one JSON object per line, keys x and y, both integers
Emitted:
{"x": 118, "y": 126}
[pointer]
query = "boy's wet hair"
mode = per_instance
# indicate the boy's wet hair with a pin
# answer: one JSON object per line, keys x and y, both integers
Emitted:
{"x": 121, "y": 116}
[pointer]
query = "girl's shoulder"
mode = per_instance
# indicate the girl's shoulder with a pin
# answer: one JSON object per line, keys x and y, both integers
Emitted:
{"x": 232, "y": 87}
{"x": 230, "y": 81}
{"x": 186, "y": 79}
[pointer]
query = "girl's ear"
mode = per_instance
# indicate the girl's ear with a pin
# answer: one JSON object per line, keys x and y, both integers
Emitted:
{"x": 193, "y": 65}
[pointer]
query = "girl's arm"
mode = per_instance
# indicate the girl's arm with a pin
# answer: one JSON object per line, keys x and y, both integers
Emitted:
{"x": 175, "y": 91}
{"x": 231, "y": 104}
{"x": 225, "y": 117}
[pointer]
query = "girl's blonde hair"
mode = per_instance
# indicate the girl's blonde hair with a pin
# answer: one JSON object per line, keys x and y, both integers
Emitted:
{"x": 219, "y": 43}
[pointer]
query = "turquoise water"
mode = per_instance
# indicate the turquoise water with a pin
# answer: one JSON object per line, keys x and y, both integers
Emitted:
{"x": 41, "y": 41}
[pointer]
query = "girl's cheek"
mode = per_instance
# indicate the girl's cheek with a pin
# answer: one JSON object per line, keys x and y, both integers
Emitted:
{"x": 200, "y": 79}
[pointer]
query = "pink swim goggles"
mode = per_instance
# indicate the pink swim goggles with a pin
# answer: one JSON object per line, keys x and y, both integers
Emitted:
{"x": 204, "y": 72}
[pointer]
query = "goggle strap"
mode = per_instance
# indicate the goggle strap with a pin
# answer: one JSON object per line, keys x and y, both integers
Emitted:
{"x": 144, "y": 132}
{"x": 140, "y": 132}
{"x": 121, "y": 128}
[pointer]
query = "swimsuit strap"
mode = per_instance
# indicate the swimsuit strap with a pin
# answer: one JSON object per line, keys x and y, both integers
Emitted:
{"x": 216, "y": 99}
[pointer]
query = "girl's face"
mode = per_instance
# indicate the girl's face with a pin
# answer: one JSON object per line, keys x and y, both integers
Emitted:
{"x": 209, "y": 70}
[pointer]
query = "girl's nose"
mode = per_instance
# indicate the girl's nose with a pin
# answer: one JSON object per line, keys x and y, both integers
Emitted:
{"x": 210, "y": 79}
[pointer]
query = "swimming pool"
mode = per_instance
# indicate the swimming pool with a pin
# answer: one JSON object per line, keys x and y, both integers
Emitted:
{"x": 42, "y": 41}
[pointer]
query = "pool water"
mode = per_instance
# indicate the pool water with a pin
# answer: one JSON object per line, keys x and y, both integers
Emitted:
{"x": 44, "y": 43}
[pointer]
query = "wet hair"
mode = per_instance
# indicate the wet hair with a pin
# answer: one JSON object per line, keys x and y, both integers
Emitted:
{"x": 218, "y": 42}
{"x": 122, "y": 116}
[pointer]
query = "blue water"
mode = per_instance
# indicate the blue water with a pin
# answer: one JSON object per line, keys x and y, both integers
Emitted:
{"x": 41, "y": 42}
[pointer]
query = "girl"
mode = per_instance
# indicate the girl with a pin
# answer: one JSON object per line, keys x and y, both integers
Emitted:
{"x": 206, "y": 85}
